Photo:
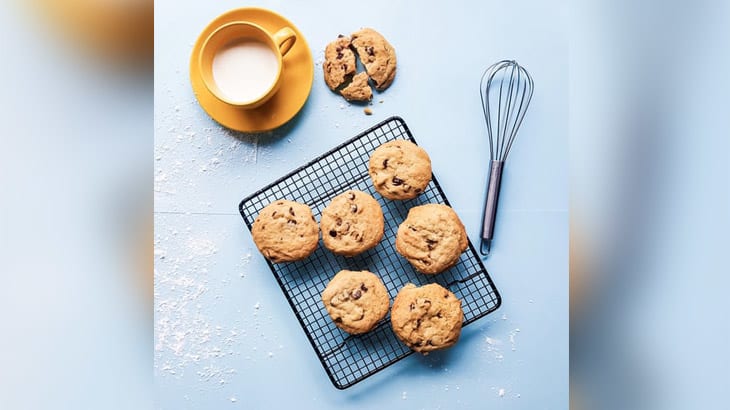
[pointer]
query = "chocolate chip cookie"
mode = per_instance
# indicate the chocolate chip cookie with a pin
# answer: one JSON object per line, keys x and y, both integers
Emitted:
{"x": 377, "y": 55}
{"x": 358, "y": 89}
{"x": 432, "y": 238}
{"x": 339, "y": 62}
{"x": 352, "y": 223}
{"x": 356, "y": 300}
{"x": 426, "y": 318}
{"x": 400, "y": 169}
{"x": 285, "y": 231}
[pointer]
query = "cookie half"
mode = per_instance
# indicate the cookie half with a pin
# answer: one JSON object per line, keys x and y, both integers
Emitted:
{"x": 285, "y": 231}
{"x": 432, "y": 238}
{"x": 356, "y": 300}
{"x": 352, "y": 223}
{"x": 339, "y": 62}
{"x": 377, "y": 55}
{"x": 426, "y": 318}
{"x": 400, "y": 169}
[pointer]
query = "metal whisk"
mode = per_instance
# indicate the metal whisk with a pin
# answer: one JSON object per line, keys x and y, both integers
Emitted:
{"x": 506, "y": 91}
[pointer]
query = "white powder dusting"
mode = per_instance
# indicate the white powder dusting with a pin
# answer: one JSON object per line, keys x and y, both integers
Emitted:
{"x": 512, "y": 335}
{"x": 501, "y": 392}
{"x": 160, "y": 253}
{"x": 493, "y": 346}
{"x": 233, "y": 399}
{"x": 404, "y": 396}
{"x": 201, "y": 246}
{"x": 186, "y": 339}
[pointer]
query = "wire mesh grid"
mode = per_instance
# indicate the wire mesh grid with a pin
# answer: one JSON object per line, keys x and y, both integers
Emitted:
{"x": 349, "y": 359}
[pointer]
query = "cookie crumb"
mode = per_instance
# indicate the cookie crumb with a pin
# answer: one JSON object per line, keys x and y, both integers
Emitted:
{"x": 367, "y": 111}
{"x": 381, "y": 101}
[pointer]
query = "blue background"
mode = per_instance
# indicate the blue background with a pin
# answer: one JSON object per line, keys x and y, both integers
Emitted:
{"x": 225, "y": 336}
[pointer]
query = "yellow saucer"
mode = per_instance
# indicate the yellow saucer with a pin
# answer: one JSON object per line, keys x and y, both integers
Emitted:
{"x": 296, "y": 77}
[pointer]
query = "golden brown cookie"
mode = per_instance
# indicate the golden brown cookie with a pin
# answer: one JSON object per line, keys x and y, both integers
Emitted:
{"x": 285, "y": 231}
{"x": 377, "y": 55}
{"x": 400, "y": 169}
{"x": 358, "y": 89}
{"x": 432, "y": 238}
{"x": 352, "y": 223}
{"x": 339, "y": 62}
{"x": 356, "y": 300}
{"x": 426, "y": 318}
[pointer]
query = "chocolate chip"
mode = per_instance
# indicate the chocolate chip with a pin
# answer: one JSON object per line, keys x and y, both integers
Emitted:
{"x": 333, "y": 233}
{"x": 339, "y": 221}
{"x": 370, "y": 50}
{"x": 363, "y": 287}
{"x": 344, "y": 67}
{"x": 397, "y": 181}
{"x": 340, "y": 36}
{"x": 314, "y": 219}
{"x": 438, "y": 315}
{"x": 385, "y": 163}
{"x": 356, "y": 294}
{"x": 353, "y": 208}
{"x": 418, "y": 323}
{"x": 329, "y": 69}
{"x": 418, "y": 344}
{"x": 291, "y": 222}
{"x": 428, "y": 342}
{"x": 430, "y": 243}
{"x": 446, "y": 295}
{"x": 338, "y": 319}
{"x": 273, "y": 214}
{"x": 351, "y": 196}
{"x": 291, "y": 211}
{"x": 425, "y": 302}
{"x": 418, "y": 190}
{"x": 339, "y": 55}
{"x": 413, "y": 306}
{"x": 339, "y": 48}
{"x": 412, "y": 228}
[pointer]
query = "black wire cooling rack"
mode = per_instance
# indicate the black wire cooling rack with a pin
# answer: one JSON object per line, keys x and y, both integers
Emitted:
{"x": 349, "y": 359}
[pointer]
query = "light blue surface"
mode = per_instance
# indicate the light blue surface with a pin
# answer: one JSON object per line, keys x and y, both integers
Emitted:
{"x": 225, "y": 336}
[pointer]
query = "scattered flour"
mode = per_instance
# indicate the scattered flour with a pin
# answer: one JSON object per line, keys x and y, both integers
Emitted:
{"x": 186, "y": 339}
{"x": 512, "y": 335}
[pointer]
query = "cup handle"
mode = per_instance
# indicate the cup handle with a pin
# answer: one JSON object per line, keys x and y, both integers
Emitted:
{"x": 285, "y": 39}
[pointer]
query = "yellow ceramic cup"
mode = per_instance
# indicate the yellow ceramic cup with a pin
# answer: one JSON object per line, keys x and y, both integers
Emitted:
{"x": 241, "y": 32}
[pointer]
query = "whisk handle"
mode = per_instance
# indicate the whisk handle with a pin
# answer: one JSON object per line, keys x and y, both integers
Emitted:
{"x": 490, "y": 207}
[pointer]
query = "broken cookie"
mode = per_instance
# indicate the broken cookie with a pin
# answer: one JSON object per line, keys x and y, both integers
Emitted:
{"x": 339, "y": 64}
{"x": 377, "y": 55}
{"x": 358, "y": 89}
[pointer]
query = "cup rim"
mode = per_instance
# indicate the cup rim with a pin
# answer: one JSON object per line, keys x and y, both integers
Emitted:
{"x": 213, "y": 88}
